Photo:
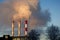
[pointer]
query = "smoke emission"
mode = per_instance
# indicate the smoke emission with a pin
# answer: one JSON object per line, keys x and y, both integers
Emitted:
{"x": 22, "y": 9}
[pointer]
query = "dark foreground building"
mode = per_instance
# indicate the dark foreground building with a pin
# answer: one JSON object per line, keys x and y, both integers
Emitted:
{"x": 8, "y": 37}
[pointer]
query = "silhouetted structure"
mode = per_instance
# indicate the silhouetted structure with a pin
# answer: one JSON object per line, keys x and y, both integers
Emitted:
{"x": 7, "y": 37}
{"x": 53, "y": 32}
{"x": 33, "y": 35}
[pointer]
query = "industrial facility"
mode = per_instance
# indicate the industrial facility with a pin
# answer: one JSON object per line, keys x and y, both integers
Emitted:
{"x": 8, "y": 37}
{"x": 19, "y": 28}
{"x": 18, "y": 37}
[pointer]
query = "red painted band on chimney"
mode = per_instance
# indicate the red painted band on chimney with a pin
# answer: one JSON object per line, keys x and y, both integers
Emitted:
{"x": 26, "y": 29}
{"x": 25, "y": 21}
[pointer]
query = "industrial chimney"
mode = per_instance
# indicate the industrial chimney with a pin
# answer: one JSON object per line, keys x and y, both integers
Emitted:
{"x": 26, "y": 26}
{"x": 13, "y": 28}
{"x": 19, "y": 28}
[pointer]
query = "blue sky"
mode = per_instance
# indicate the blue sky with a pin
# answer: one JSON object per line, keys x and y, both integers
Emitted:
{"x": 54, "y": 7}
{"x": 1, "y": 1}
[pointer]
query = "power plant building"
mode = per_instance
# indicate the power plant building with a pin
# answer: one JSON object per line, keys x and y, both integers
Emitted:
{"x": 18, "y": 37}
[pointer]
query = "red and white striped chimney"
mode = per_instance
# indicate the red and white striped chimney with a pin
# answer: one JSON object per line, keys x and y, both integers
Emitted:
{"x": 26, "y": 26}
{"x": 12, "y": 28}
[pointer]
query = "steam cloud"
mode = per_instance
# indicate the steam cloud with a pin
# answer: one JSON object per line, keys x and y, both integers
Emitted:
{"x": 18, "y": 9}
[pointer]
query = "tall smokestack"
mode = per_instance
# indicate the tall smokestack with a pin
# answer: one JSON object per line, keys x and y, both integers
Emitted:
{"x": 26, "y": 26}
{"x": 19, "y": 28}
{"x": 12, "y": 28}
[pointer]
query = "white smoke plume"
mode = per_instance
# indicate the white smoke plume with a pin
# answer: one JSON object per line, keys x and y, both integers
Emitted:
{"x": 19, "y": 9}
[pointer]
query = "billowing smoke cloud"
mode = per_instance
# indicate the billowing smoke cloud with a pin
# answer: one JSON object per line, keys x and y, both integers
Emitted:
{"x": 22, "y": 7}
{"x": 18, "y": 9}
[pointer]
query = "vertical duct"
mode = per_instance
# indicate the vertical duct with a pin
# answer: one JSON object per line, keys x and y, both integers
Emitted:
{"x": 19, "y": 28}
{"x": 12, "y": 28}
{"x": 26, "y": 25}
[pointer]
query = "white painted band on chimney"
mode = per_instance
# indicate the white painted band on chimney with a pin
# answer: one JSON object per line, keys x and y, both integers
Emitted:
{"x": 25, "y": 25}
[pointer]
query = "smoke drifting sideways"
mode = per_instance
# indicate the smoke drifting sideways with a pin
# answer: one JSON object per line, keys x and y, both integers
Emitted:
{"x": 22, "y": 7}
{"x": 19, "y": 9}
{"x": 31, "y": 10}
